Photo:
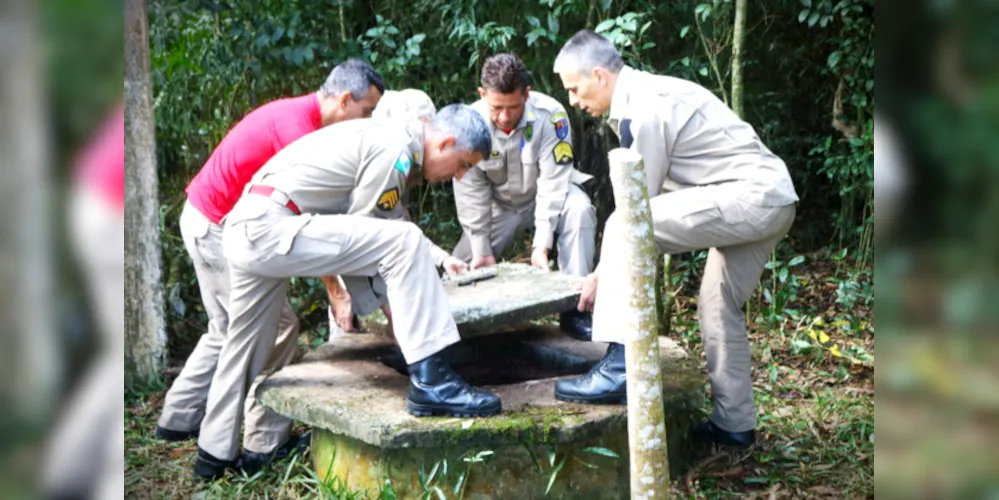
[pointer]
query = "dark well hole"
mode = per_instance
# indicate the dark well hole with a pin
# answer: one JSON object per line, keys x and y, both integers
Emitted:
{"x": 501, "y": 360}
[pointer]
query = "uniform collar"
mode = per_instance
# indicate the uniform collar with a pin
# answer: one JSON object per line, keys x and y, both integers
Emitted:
{"x": 416, "y": 133}
{"x": 620, "y": 97}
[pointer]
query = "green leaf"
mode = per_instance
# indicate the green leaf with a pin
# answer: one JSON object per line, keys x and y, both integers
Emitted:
{"x": 812, "y": 19}
{"x": 834, "y": 59}
{"x": 596, "y": 450}
{"x": 648, "y": 45}
{"x": 605, "y": 25}
{"x": 418, "y": 38}
{"x": 440, "y": 494}
{"x": 278, "y": 33}
{"x": 800, "y": 344}
{"x": 457, "y": 484}
{"x": 783, "y": 274}
{"x": 605, "y": 5}
{"x": 703, "y": 71}
{"x": 683, "y": 31}
{"x": 551, "y": 480}
{"x": 803, "y": 15}
{"x": 796, "y": 261}
{"x": 807, "y": 3}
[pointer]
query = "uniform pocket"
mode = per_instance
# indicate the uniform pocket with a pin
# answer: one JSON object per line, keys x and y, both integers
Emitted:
{"x": 289, "y": 231}
{"x": 495, "y": 170}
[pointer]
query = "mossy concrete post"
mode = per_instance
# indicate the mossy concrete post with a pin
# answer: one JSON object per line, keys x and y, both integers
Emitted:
{"x": 636, "y": 259}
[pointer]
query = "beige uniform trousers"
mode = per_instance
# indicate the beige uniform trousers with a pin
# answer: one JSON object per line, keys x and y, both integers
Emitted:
{"x": 741, "y": 238}
{"x": 86, "y": 448}
{"x": 184, "y": 406}
{"x": 265, "y": 244}
{"x": 577, "y": 226}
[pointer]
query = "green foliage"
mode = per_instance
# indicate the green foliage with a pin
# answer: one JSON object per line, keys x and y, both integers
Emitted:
{"x": 213, "y": 62}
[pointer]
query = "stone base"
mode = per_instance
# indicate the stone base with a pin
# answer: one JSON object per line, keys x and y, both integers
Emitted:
{"x": 353, "y": 393}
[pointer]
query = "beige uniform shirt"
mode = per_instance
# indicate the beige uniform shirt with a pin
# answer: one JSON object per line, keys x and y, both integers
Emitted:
{"x": 356, "y": 167}
{"x": 533, "y": 163}
{"x": 688, "y": 137}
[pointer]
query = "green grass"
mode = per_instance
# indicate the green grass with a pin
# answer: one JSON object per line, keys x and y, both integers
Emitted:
{"x": 815, "y": 411}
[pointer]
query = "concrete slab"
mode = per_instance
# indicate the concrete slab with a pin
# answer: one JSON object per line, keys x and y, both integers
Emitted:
{"x": 516, "y": 294}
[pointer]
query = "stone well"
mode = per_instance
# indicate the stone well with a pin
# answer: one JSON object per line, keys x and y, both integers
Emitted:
{"x": 352, "y": 393}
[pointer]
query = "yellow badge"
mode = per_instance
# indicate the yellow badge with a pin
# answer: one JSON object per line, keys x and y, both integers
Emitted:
{"x": 562, "y": 153}
{"x": 388, "y": 199}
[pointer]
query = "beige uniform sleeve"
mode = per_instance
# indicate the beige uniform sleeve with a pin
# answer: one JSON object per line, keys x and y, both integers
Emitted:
{"x": 381, "y": 182}
{"x": 555, "y": 163}
{"x": 380, "y": 188}
{"x": 473, "y": 198}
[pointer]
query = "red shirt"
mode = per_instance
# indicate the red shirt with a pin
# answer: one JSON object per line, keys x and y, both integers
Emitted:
{"x": 101, "y": 166}
{"x": 246, "y": 148}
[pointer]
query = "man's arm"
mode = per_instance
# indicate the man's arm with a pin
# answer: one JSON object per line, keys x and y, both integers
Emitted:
{"x": 474, "y": 199}
{"x": 555, "y": 165}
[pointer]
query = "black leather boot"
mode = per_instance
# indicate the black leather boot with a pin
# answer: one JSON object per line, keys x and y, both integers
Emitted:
{"x": 605, "y": 383}
{"x": 709, "y": 432}
{"x": 435, "y": 389}
{"x": 251, "y": 462}
{"x": 171, "y": 435}
{"x": 210, "y": 468}
{"x": 579, "y": 325}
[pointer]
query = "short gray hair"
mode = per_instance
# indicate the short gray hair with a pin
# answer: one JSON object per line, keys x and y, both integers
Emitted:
{"x": 353, "y": 75}
{"x": 587, "y": 50}
{"x": 467, "y": 126}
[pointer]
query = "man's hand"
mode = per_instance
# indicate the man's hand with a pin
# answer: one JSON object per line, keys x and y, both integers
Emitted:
{"x": 589, "y": 288}
{"x": 342, "y": 312}
{"x": 454, "y": 267}
{"x": 483, "y": 261}
{"x": 539, "y": 259}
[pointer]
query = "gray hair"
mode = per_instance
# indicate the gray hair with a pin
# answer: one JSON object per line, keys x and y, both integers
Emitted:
{"x": 468, "y": 128}
{"x": 587, "y": 50}
{"x": 355, "y": 76}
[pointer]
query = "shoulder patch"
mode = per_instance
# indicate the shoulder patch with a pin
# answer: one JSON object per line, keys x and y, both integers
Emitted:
{"x": 494, "y": 155}
{"x": 388, "y": 200}
{"x": 562, "y": 153}
{"x": 624, "y": 130}
{"x": 404, "y": 164}
{"x": 529, "y": 132}
{"x": 561, "y": 123}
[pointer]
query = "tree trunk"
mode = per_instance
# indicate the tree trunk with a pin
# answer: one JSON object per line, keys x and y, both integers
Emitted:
{"x": 28, "y": 356}
{"x": 144, "y": 329}
{"x": 635, "y": 259}
{"x": 738, "y": 37}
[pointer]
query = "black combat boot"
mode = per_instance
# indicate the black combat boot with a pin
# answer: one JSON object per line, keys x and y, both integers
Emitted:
{"x": 605, "y": 383}
{"x": 164, "y": 434}
{"x": 435, "y": 389}
{"x": 251, "y": 462}
{"x": 711, "y": 433}
{"x": 210, "y": 468}
{"x": 579, "y": 325}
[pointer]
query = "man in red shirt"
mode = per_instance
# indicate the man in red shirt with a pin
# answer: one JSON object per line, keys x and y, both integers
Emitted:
{"x": 84, "y": 452}
{"x": 351, "y": 91}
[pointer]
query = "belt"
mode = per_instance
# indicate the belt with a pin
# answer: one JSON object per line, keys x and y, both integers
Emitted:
{"x": 276, "y": 196}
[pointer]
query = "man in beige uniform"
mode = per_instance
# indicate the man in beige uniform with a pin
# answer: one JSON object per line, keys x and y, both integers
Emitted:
{"x": 328, "y": 204}
{"x": 712, "y": 184}
{"x": 406, "y": 105}
{"x": 528, "y": 181}
{"x": 352, "y": 90}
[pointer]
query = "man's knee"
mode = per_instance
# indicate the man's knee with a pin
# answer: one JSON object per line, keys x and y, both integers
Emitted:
{"x": 579, "y": 213}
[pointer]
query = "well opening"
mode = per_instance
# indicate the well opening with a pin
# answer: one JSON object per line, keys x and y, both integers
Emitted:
{"x": 502, "y": 359}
